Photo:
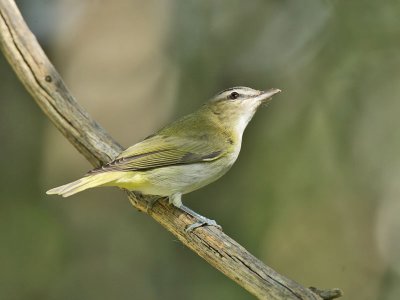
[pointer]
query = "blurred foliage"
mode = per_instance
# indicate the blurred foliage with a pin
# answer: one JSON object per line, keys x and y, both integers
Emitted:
{"x": 314, "y": 193}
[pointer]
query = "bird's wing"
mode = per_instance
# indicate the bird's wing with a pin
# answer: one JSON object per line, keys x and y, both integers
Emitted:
{"x": 160, "y": 151}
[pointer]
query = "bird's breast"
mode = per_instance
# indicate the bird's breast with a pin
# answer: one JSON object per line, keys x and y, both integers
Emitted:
{"x": 187, "y": 178}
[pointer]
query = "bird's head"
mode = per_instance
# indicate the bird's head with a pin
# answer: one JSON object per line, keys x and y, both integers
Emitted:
{"x": 235, "y": 107}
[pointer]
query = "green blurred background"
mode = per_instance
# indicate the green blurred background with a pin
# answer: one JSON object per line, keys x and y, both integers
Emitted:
{"x": 314, "y": 194}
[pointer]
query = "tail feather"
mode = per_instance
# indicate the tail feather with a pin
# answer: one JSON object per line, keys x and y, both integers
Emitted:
{"x": 82, "y": 184}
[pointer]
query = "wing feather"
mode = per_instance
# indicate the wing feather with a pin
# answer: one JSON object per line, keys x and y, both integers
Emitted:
{"x": 159, "y": 151}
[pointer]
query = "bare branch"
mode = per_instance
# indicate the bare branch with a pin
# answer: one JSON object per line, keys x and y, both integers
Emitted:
{"x": 327, "y": 294}
{"x": 43, "y": 82}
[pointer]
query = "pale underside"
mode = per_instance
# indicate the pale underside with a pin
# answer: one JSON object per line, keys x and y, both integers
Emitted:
{"x": 177, "y": 160}
{"x": 179, "y": 179}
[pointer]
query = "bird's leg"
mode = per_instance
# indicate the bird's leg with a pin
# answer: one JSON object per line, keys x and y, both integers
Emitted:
{"x": 201, "y": 220}
{"x": 176, "y": 200}
{"x": 151, "y": 200}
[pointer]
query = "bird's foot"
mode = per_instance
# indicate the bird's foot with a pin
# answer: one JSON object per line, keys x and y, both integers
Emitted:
{"x": 202, "y": 222}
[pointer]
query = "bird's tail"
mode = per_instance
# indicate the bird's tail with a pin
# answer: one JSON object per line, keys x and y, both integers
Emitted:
{"x": 84, "y": 183}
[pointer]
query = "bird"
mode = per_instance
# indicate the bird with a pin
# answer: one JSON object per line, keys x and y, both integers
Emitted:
{"x": 183, "y": 156}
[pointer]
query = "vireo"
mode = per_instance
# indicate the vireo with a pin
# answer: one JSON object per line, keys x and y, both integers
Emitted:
{"x": 183, "y": 156}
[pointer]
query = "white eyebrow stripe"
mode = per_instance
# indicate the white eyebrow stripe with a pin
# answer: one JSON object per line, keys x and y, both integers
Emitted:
{"x": 231, "y": 89}
{"x": 248, "y": 92}
{"x": 241, "y": 90}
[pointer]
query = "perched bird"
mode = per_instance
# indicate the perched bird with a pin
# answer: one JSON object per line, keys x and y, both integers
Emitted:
{"x": 184, "y": 156}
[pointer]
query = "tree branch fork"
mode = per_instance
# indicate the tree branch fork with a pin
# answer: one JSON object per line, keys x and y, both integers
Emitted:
{"x": 46, "y": 86}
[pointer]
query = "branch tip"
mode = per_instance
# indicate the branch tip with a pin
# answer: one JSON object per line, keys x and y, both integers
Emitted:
{"x": 327, "y": 294}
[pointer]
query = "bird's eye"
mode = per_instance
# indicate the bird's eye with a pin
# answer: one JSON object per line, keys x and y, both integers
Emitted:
{"x": 234, "y": 95}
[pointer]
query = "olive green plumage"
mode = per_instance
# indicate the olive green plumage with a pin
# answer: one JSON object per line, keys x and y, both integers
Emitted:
{"x": 183, "y": 156}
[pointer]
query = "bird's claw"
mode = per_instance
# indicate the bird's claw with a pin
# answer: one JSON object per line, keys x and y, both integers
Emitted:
{"x": 201, "y": 223}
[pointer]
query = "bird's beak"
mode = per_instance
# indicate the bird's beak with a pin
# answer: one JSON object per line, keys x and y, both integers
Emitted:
{"x": 267, "y": 95}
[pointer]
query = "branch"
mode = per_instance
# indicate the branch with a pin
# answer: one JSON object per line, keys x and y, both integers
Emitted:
{"x": 46, "y": 86}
